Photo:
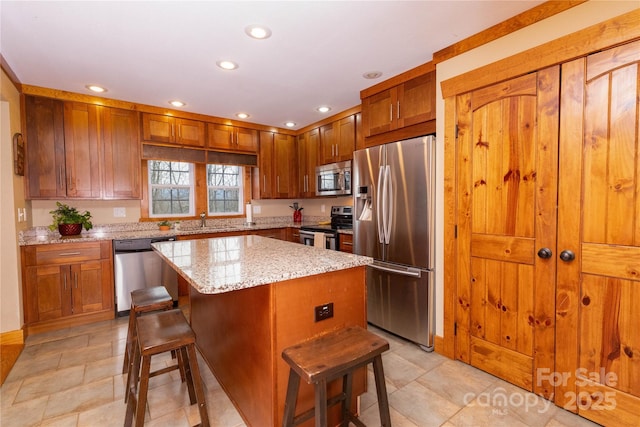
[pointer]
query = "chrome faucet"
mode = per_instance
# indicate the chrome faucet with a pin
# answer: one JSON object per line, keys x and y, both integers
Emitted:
{"x": 203, "y": 221}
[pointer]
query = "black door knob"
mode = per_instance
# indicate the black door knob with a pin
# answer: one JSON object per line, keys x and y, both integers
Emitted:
{"x": 567, "y": 255}
{"x": 545, "y": 253}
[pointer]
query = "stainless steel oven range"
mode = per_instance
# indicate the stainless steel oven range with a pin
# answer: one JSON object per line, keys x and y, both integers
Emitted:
{"x": 341, "y": 218}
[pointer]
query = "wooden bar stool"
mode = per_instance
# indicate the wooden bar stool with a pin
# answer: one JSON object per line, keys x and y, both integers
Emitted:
{"x": 145, "y": 300}
{"x": 158, "y": 333}
{"x": 331, "y": 356}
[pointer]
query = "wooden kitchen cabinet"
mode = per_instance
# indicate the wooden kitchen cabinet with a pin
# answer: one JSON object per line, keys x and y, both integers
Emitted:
{"x": 232, "y": 138}
{"x": 293, "y": 234}
{"x": 45, "y": 170}
{"x": 403, "y": 105}
{"x": 345, "y": 242}
{"x": 338, "y": 140}
{"x": 67, "y": 284}
{"x": 277, "y": 176}
{"x": 172, "y": 130}
{"x": 81, "y": 151}
{"x": 308, "y": 146}
{"x": 121, "y": 154}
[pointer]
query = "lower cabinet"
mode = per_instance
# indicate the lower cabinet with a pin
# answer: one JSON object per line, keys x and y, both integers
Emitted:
{"x": 345, "y": 242}
{"x": 67, "y": 284}
{"x": 293, "y": 234}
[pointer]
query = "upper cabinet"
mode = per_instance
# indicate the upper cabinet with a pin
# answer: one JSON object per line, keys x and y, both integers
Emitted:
{"x": 308, "y": 146}
{"x": 173, "y": 130}
{"x": 231, "y": 138}
{"x": 277, "y": 177}
{"x": 400, "y": 107}
{"x": 338, "y": 140}
{"x": 121, "y": 154}
{"x": 80, "y": 151}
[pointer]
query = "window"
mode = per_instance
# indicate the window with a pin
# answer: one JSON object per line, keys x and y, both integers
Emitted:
{"x": 224, "y": 189}
{"x": 170, "y": 189}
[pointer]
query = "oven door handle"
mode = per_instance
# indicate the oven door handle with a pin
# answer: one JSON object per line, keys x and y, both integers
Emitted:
{"x": 312, "y": 234}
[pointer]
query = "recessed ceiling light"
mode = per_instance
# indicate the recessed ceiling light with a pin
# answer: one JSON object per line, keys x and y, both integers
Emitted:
{"x": 290, "y": 124}
{"x": 96, "y": 88}
{"x": 177, "y": 103}
{"x": 259, "y": 32}
{"x": 227, "y": 65}
{"x": 372, "y": 75}
{"x": 242, "y": 115}
{"x": 324, "y": 109}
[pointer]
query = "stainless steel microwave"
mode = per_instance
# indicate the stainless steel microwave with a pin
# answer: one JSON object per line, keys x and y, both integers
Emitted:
{"x": 333, "y": 179}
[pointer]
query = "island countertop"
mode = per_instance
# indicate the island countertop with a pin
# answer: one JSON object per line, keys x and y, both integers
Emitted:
{"x": 225, "y": 264}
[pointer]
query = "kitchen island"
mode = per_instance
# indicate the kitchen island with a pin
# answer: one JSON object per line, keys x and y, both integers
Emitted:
{"x": 251, "y": 297}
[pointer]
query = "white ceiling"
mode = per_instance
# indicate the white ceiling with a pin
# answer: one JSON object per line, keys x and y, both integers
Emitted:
{"x": 150, "y": 52}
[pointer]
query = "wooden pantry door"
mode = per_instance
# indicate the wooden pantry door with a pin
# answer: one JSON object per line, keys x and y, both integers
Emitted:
{"x": 506, "y": 207}
{"x": 598, "y": 300}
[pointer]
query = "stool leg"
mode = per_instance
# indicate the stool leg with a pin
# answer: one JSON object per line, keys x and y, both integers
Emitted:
{"x": 132, "y": 387}
{"x": 321, "y": 403}
{"x": 347, "y": 382}
{"x": 290, "y": 400}
{"x": 192, "y": 361}
{"x": 381, "y": 389}
{"x": 141, "y": 407}
{"x": 185, "y": 372}
{"x": 127, "y": 348}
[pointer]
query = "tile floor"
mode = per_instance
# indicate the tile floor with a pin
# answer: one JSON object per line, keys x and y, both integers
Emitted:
{"x": 72, "y": 378}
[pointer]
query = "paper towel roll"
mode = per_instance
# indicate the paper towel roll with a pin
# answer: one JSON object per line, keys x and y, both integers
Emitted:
{"x": 249, "y": 212}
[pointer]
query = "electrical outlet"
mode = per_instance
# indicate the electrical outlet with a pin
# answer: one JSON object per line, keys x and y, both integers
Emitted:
{"x": 119, "y": 212}
{"x": 322, "y": 208}
{"x": 256, "y": 209}
{"x": 323, "y": 312}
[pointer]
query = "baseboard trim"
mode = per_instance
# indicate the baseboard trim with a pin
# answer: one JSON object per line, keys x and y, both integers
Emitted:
{"x": 12, "y": 337}
{"x": 11, "y": 345}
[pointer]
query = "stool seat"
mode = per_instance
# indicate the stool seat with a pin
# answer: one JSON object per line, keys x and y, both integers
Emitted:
{"x": 328, "y": 357}
{"x": 150, "y": 299}
{"x": 143, "y": 301}
{"x": 157, "y": 333}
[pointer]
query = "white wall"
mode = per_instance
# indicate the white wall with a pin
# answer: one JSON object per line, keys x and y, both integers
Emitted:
{"x": 552, "y": 28}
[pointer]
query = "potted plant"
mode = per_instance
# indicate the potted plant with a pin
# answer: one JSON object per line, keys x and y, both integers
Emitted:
{"x": 68, "y": 221}
{"x": 164, "y": 225}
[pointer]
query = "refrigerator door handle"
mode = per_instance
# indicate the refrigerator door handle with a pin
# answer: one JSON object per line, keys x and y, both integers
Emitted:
{"x": 388, "y": 204}
{"x": 379, "y": 203}
{"x": 385, "y": 205}
{"x": 405, "y": 271}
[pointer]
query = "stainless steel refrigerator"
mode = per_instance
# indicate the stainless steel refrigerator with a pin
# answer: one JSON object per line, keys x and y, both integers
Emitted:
{"x": 393, "y": 198}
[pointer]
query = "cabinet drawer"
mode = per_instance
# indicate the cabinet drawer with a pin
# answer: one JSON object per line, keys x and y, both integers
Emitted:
{"x": 65, "y": 253}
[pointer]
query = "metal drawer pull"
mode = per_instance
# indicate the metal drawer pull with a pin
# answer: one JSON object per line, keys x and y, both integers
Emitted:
{"x": 347, "y": 243}
{"x": 70, "y": 253}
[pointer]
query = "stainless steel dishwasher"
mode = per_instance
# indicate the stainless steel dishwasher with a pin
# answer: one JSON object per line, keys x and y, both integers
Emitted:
{"x": 137, "y": 266}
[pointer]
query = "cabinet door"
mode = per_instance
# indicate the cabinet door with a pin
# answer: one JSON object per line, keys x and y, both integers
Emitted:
{"x": 121, "y": 154}
{"x": 158, "y": 128}
{"x": 307, "y": 160}
{"x": 345, "y": 242}
{"x": 47, "y": 293}
{"x": 378, "y": 112}
{"x": 82, "y": 150}
{"x": 328, "y": 138}
{"x": 220, "y": 136}
{"x": 346, "y": 139}
{"x": 246, "y": 140}
{"x": 284, "y": 159}
{"x": 189, "y": 132}
{"x": 90, "y": 287}
{"x": 417, "y": 100}
{"x": 45, "y": 159}
{"x": 265, "y": 165}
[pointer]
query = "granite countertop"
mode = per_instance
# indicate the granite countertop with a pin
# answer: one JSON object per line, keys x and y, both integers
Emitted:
{"x": 227, "y": 264}
{"x": 42, "y": 236}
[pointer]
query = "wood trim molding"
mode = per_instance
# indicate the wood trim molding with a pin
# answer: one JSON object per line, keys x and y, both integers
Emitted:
{"x": 524, "y": 19}
{"x": 125, "y": 105}
{"x": 12, "y": 337}
{"x": 619, "y": 30}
